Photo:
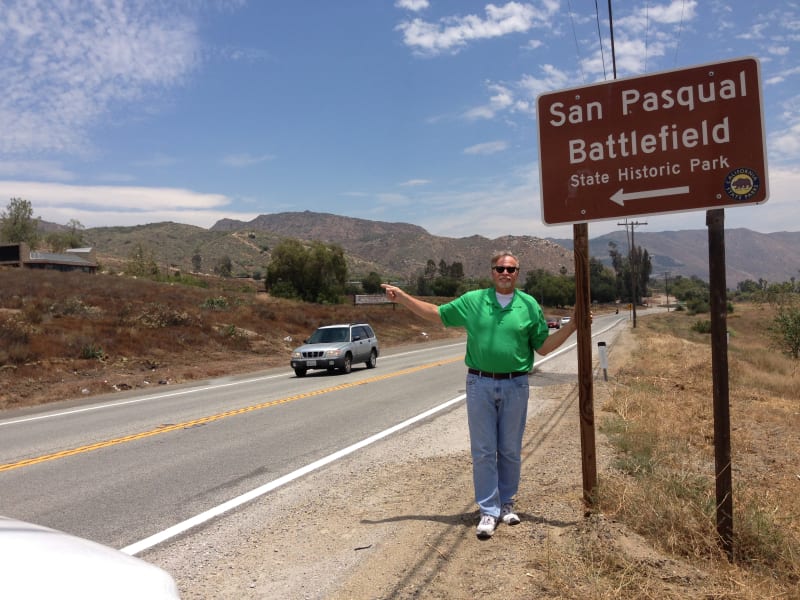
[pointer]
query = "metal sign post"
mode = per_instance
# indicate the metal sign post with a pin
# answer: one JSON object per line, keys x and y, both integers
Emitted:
{"x": 584, "y": 333}
{"x": 715, "y": 221}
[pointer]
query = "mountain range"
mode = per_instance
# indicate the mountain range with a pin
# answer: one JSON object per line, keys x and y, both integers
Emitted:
{"x": 401, "y": 250}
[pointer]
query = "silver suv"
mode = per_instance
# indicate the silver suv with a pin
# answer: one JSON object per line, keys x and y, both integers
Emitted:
{"x": 337, "y": 347}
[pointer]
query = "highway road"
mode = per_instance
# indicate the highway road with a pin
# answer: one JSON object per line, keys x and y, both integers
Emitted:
{"x": 120, "y": 469}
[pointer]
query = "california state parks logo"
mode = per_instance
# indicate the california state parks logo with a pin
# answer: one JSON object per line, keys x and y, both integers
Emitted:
{"x": 742, "y": 184}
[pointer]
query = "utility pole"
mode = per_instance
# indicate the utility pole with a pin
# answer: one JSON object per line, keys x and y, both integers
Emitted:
{"x": 633, "y": 262}
{"x": 666, "y": 287}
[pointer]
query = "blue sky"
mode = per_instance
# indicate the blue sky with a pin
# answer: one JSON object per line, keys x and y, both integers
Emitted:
{"x": 418, "y": 111}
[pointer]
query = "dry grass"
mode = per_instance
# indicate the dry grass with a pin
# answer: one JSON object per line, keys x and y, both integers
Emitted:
{"x": 662, "y": 486}
{"x": 653, "y": 534}
{"x": 66, "y": 335}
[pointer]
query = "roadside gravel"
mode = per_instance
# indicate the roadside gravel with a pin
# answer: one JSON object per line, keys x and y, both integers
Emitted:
{"x": 397, "y": 519}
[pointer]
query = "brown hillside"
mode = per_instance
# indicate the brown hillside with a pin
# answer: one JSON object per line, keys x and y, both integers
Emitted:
{"x": 401, "y": 249}
{"x": 72, "y": 335}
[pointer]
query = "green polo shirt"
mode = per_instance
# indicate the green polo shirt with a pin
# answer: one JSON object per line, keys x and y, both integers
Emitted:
{"x": 499, "y": 340}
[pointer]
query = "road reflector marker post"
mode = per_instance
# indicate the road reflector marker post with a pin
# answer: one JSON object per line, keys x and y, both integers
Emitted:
{"x": 601, "y": 351}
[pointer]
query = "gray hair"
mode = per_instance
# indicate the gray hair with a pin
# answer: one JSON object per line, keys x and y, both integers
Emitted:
{"x": 497, "y": 257}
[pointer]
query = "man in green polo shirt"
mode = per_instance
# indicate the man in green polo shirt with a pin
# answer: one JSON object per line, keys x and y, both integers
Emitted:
{"x": 504, "y": 327}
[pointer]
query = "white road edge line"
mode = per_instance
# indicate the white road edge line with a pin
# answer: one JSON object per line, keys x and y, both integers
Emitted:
{"x": 220, "y": 509}
{"x": 183, "y": 526}
{"x": 191, "y": 390}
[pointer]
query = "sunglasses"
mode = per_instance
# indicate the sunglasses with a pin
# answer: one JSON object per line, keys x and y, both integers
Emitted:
{"x": 506, "y": 269}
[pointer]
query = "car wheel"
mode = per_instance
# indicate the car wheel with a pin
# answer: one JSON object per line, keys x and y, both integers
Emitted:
{"x": 300, "y": 372}
{"x": 347, "y": 365}
{"x": 373, "y": 360}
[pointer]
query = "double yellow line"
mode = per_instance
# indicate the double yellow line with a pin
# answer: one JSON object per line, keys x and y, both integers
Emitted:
{"x": 210, "y": 419}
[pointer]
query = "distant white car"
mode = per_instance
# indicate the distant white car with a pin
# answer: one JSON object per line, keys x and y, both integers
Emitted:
{"x": 565, "y": 320}
{"x": 38, "y": 562}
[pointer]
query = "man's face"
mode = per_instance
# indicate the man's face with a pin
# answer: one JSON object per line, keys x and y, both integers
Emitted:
{"x": 505, "y": 282}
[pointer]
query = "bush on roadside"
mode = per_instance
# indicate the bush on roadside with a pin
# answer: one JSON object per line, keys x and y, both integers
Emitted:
{"x": 702, "y": 326}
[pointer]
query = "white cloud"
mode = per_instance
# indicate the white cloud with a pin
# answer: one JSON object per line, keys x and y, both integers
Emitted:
{"x": 516, "y": 193}
{"x": 786, "y": 144}
{"x": 245, "y": 160}
{"x": 44, "y": 169}
{"x": 675, "y": 12}
{"x": 501, "y": 98}
{"x": 415, "y": 182}
{"x": 552, "y": 79}
{"x": 487, "y": 148}
{"x": 520, "y": 98}
{"x": 413, "y": 5}
{"x": 453, "y": 33}
{"x": 67, "y": 65}
{"x": 96, "y": 206}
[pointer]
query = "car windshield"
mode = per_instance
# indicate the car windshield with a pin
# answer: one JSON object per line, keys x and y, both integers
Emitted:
{"x": 330, "y": 334}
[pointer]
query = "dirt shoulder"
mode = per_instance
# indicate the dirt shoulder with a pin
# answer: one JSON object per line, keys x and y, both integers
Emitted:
{"x": 397, "y": 521}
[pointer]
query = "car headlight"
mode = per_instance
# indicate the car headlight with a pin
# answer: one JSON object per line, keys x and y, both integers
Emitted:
{"x": 296, "y": 354}
{"x": 333, "y": 353}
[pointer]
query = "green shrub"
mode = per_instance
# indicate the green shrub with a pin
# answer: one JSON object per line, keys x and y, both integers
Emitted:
{"x": 14, "y": 342}
{"x": 702, "y": 326}
{"x": 90, "y": 351}
{"x": 218, "y": 303}
{"x": 156, "y": 316}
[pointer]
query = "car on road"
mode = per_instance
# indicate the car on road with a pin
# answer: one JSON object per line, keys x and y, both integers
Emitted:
{"x": 565, "y": 320}
{"x": 553, "y": 323}
{"x": 337, "y": 347}
{"x": 39, "y": 562}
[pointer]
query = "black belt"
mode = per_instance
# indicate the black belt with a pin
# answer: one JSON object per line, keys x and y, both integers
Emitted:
{"x": 496, "y": 375}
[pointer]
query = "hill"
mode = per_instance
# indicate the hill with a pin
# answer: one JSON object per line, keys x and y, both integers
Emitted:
{"x": 394, "y": 250}
{"x": 401, "y": 250}
{"x": 748, "y": 254}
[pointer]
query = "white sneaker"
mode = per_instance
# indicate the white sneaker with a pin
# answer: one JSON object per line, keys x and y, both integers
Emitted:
{"x": 508, "y": 516}
{"x": 486, "y": 527}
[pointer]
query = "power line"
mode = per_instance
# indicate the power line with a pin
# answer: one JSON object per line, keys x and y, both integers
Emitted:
{"x": 577, "y": 48}
{"x": 646, "y": 31}
{"x": 611, "y": 29}
{"x": 600, "y": 38}
{"x": 680, "y": 30}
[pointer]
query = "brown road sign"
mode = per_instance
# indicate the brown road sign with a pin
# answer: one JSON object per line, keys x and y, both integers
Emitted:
{"x": 665, "y": 142}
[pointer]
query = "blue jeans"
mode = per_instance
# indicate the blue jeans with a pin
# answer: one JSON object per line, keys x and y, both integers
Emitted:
{"x": 496, "y": 412}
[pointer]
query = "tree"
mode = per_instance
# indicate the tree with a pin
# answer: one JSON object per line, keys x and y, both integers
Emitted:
{"x": 638, "y": 261}
{"x": 224, "y": 266}
{"x": 17, "y": 223}
{"x": 444, "y": 286}
{"x": 424, "y": 286}
{"x": 72, "y": 237}
{"x": 325, "y": 274}
{"x": 197, "y": 261}
{"x": 457, "y": 270}
{"x": 785, "y": 330}
{"x": 371, "y": 284}
{"x": 141, "y": 263}
{"x": 315, "y": 273}
{"x": 550, "y": 289}
{"x": 602, "y": 282}
{"x": 430, "y": 269}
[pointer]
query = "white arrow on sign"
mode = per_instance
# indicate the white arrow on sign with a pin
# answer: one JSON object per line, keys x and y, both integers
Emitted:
{"x": 620, "y": 196}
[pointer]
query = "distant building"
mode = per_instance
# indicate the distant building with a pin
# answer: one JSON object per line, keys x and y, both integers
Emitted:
{"x": 74, "y": 259}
